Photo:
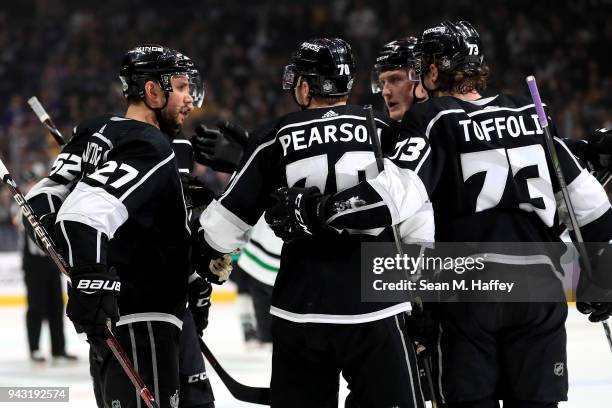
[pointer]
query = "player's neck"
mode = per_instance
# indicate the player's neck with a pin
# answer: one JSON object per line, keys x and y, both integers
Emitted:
{"x": 469, "y": 96}
{"x": 322, "y": 104}
{"x": 141, "y": 113}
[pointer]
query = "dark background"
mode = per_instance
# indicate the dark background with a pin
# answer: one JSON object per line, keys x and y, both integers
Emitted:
{"x": 68, "y": 54}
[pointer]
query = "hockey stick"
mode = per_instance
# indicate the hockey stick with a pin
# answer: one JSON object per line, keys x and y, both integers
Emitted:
{"x": 61, "y": 264}
{"x": 550, "y": 146}
{"x": 417, "y": 303}
{"x": 605, "y": 178}
{"x": 45, "y": 119}
{"x": 241, "y": 392}
{"x": 371, "y": 125}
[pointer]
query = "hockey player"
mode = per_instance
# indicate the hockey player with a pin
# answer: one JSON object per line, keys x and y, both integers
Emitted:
{"x": 320, "y": 328}
{"x": 510, "y": 351}
{"x": 395, "y": 76}
{"x": 128, "y": 214}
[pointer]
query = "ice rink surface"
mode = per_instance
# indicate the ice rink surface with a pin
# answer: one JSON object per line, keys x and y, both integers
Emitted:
{"x": 589, "y": 361}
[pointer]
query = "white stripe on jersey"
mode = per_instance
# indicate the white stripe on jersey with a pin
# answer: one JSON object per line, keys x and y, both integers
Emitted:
{"x": 520, "y": 260}
{"x": 564, "y": 146}
{"x": 230, "y": 231}
{"x": 184, "y": 141}
{"x": 438, "y": 116}
{"x": 408, "y": 365}
{"x": 51, "y": 205}
{"x": 497, "y": 109}
{"x": 102, "y": 138}
{"x": 440, "y": 365}
{"x": 308, "y": 122}
{"x": 482, "y": 101}
{"x": 589, "y": 200}
{"x": 68, "y": 243}
{"x": 236, "y": 177}
{"x": 98, "y": 245}
{"x": 354, "y": 210}
{"x": 95, "y": 207}
{"x": 48, "y": 186}
{"x": 340, "y": 319}
{"x": 146, "y": 176}
{"x": 150, "y": 317}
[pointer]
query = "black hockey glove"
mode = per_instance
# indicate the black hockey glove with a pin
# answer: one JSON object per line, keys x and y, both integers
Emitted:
{"x": 422, "y": 326}
{"x": 198, "y": 292}
{"x": 197, "y": 194}
{"x": 597, "y": 311}
{"x": 599, "y": 149}
{"x": 221, "y": 149}
{"x": 92, "y": 298}
{"x": 298, "y": 213}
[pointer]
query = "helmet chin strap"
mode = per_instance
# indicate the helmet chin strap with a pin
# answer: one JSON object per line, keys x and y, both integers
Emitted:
{"x": 429, "y": 92}
{"x": 164, "y": 126}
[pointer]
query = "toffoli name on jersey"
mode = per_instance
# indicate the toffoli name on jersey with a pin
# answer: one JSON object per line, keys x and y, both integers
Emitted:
{"x": 500, "y": 127}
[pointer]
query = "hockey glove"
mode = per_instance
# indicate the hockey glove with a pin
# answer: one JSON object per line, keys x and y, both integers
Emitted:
{"x": 599, "y": 149}
{"x": 92, "y": 298}
{"x": 422, "y": 326}
{"x": 198, "y": 292}
{"x": 597, "y": 311}
{"x": 197, "y": 194}
{"x": 220, "y": 268}
{"x": 298, "y": 213}
{"x": 222, "y": 149}
{"x": 210, "y": 264}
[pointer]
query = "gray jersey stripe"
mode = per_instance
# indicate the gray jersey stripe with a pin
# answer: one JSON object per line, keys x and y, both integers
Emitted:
{"x": 134, "y": 360}
{"x": 154, "y": 362}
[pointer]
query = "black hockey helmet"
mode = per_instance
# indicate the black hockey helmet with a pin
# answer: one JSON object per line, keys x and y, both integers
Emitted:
{"x": 326, "y": 63}
{"x": 155, "y": 62}
{"x": 398, "y": 54}
{"x": 452, "y": 46}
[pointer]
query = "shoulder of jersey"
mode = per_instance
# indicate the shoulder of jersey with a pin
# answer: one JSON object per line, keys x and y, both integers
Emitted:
{"x": 326, "y": 114}
{"x": 87, "y": 127}
{"x": 122, "y": 131}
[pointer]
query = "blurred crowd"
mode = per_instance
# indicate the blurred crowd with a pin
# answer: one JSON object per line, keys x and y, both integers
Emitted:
{"x": 68, "y": 53}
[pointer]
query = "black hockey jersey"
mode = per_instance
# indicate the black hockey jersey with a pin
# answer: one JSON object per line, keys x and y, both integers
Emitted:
{"x": 485, "y": 167}
{"x": 128, "y": 211}
{"x": 328, "y": 148}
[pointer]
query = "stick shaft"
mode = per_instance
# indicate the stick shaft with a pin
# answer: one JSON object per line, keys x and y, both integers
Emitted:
{"x": 537, "y": 101}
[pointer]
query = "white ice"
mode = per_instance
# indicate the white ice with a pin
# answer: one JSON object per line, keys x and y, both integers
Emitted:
{"x": 589, "y": 361}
